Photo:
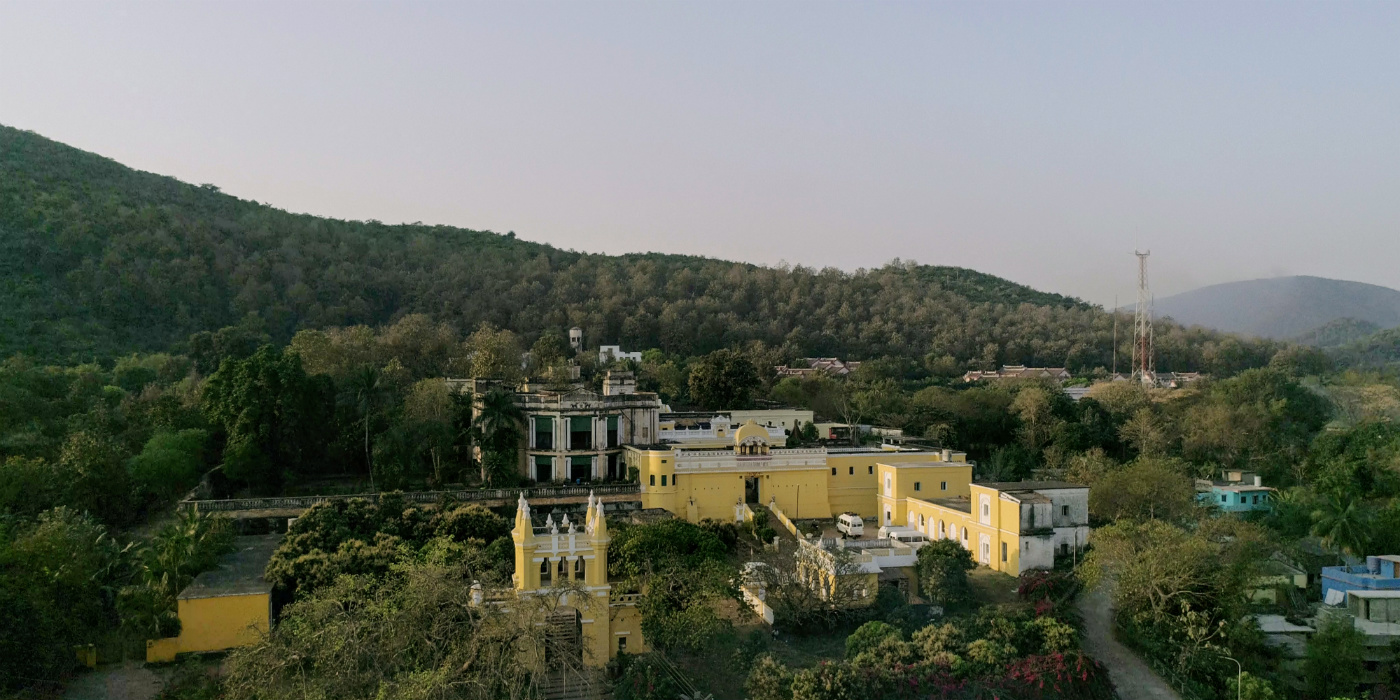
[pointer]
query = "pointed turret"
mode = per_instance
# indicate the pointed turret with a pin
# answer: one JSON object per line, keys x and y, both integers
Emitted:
{"x": 524, "y": 528}
{"x": 600, "y": 523}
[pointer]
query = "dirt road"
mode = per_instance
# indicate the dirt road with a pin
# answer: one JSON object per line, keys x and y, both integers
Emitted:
{"x": 1132, "y": 676}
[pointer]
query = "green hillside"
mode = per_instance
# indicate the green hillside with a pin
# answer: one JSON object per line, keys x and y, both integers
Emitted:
{"x": 99, "y": 260}
{"x": 1376, "y": 351}
{"x": 1336, "y": 333}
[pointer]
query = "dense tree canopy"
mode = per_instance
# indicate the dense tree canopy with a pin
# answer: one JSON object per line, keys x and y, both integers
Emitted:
{"x": 100, "y": 260}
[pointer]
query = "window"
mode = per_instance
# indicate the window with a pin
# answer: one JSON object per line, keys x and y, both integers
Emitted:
{"x": 653, "y": 479}
{"x": 921, "y": 519}
{"x": 621, "y": 645}
{"x": 663, "y": 479}
{"x": 1064, "y": 510}
{"x": 579, "y": 568}
{"x": 853, "y": 471}
{"x": 545, "y": 570}
{"x": 1003, "y": 552}
{"x": 942, "y": 486}
{"x": 833, "y": 471}
{"x": 580, "y": 433}
{"x": 544, "y": 468}
{"x": 612, "y": 431}
{"x": 581, "y": 468}
{"x": 918, "y": 486}
{"x": 871, "y": 469}
{"x": 544, "y": 433}
{"x": 563, "y": 569}
{"x": 1224, "y": 498}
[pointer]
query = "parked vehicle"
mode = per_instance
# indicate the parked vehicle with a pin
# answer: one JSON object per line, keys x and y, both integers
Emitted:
{"x": 907, "y": 535}
{"x": 850, "y": 525}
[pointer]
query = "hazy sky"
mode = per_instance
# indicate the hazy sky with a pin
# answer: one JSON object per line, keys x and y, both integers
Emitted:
{"x": 1041, "y": 142}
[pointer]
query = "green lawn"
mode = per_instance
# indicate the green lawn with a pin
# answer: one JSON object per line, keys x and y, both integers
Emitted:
{"x": 992, "y": 587}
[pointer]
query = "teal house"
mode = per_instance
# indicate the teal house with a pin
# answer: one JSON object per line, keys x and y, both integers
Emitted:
{"x": 1235, "y": 492}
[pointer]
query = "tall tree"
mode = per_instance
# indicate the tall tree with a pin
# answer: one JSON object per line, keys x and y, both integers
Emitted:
{"x": 273, "y": 414}
{"x": 428, "y": 409}
{"x": 499, "y": 426}
{"x": 495, "y": 353}
{"x": 365, "y": 391}
{"x": 1343, "y": 523}
{"x": 723, "y": 379}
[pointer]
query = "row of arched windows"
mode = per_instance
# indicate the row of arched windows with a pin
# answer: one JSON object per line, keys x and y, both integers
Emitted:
{"x": 550, "y": 572}
{"x": 941, "y": 532}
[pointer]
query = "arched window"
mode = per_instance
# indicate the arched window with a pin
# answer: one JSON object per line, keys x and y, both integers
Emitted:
{"x": 942, "y": 530}
{"x": 964, "y": 536}
{"x": 921, "y": 519}
{"x": 545, "y": 572}
{"x": 563, "y": 569}
{"x": 578, "y": 568}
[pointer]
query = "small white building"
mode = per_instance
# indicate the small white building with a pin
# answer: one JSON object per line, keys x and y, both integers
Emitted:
{"x": 608, "y": 353}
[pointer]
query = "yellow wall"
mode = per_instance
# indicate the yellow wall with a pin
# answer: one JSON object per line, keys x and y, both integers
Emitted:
{"x": 223, "y": 622}
{"x": 803, "y": 493}
{"x": 651, "y": 465}
{"x": 852, "y": 488}
{"x": 922, "y": 482}
{"x": 626, "y": 619}
{"x": 1005, "y": 528}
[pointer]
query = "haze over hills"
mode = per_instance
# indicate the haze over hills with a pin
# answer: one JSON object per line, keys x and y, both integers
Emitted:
{"x": 1284, "y": 307}
{"x": 99, "y": 260}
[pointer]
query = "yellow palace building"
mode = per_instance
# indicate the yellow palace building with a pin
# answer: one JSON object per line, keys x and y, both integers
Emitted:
{"x": 805, "y": 482}
{"x": 1009, "y": 526}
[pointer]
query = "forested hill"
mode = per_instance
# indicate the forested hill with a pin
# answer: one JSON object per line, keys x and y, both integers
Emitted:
{"x": 99, "y": 260}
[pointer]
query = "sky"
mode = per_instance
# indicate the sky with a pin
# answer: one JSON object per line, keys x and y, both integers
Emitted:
{"x": 1042, "y": 142}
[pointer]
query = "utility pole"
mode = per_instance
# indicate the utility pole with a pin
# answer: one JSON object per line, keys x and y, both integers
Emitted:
{"x": 1115, "y": 335}
{"x": 1144, "y": 367}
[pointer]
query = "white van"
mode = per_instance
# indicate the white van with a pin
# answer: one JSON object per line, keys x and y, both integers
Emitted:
{"x": 913, "y": 538}
{"x": 850, "y": 525}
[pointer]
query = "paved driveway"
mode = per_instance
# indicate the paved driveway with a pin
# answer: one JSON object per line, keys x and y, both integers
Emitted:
{"x": 1132, "y": 677}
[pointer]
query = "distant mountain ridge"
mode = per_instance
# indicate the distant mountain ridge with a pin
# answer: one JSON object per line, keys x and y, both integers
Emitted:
{"x": 1284, "y": 307}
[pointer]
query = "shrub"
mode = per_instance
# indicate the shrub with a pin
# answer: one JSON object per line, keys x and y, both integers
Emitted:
{"x": 943, "y": 567}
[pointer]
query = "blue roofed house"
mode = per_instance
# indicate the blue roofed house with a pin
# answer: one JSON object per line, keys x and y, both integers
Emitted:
{"x": 1235, "y": 492}
{"x": 1377, "y": 574}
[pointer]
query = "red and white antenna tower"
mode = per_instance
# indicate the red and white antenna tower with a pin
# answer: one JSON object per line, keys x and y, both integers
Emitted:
{"x": 1144, "y": 366}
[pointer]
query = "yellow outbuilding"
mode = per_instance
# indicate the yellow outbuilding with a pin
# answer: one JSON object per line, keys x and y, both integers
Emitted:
{"x": 227, "y": 607}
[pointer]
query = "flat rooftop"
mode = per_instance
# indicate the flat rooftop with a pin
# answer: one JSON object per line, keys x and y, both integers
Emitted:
{"x": 1028, "y": 485}
{"x": 924, "y": 464}
{"x": 953, "y": 503}
{"x": 1368, "y": 593}
{"x": 239, "y": 572}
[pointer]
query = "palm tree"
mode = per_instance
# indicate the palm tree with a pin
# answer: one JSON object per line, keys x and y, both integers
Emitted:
{"x": 1343, "y": 524}
{"x": 365, "y": 388}
{"x": 498, "y": 424}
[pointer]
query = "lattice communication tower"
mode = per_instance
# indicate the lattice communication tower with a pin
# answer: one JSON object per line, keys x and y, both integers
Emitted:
{"x": 1144, "y": 365}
